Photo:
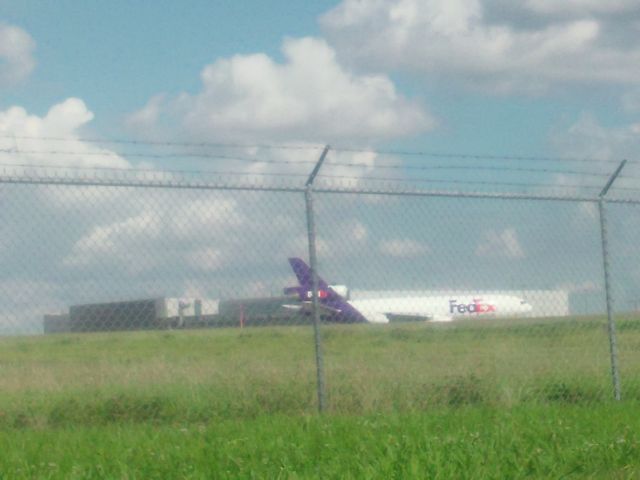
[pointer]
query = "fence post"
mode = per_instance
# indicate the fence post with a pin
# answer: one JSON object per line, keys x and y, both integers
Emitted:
{"x": 313, "y": 264}
{"x": 611, "y": 326}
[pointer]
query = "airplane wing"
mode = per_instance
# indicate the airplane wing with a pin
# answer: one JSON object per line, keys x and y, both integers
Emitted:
{"x": 376, "y": 317}
{"x": 307, "y": 307}
{"x": 413, "y": 317}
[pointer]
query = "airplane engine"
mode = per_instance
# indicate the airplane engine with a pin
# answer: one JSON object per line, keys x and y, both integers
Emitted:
{"x": 341, "y": 290}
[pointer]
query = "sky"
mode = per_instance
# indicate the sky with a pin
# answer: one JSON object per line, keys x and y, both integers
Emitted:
{"x": 464, "y": 76}
{"x": 494, "y": 80}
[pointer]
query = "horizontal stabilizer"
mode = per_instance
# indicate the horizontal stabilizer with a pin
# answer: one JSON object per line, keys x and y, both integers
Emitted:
{"x": 307, "y": 307}
{"x": 441, "y": 318}
{"x": 292, "y": 307}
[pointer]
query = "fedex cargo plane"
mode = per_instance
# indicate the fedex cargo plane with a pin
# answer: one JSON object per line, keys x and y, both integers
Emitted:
{"x": 337, "y": 307}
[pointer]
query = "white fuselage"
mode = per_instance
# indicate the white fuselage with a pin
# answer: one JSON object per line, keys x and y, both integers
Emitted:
{"x": 441, "y": 308}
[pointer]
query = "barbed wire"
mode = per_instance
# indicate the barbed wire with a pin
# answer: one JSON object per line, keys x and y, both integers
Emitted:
{"x": 155, "y": 156}
{"x": 191, "y": 173}
{"x": 388, "y": 189}
{"x": 318, "y": 147}
{"x": 188, "y": 176}
{"x": 474, "y": 156}
{"x": 176, "y": 155}
{"x": 473, "y": 168}
{"x": 167, "y": 143}
{"x": 473, "y": 182}
{"x": 453, "y": 181}
{"x": 184, "y": 173}
{"x": 468, "y": 168}
{"x": 628, "y": 177}
{"x": 396, "y": 180}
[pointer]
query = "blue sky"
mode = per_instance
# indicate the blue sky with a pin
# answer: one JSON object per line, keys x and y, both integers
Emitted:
{"x": 116, "y": 56}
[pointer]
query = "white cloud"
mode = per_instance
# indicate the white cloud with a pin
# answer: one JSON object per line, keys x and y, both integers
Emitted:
{"x": 16, "y": 55}
{"x": 116, "y": 243}
{"x": 207, "y": 258}
{"x": 25, "y": 301}
{"x": 631, "y": 101}
{"x": 201, "y": 217}
{"x": 588, "y": 210}
{"x": 24, "y": 138}
{"x": 587, "y": 137}
{"x": 149, "y": 228}
{"x": 540, "y": 43}
{"x": 500, "y": 244}
{"x": 147, "y": 115}
{"x": 581, "y": 7}
{"x": 299, "y": 246}
{"x": 308, "y": 97}
{"x": 348, "y": 238}
{"x": 359, "y": 232}
{"x": 604, "y": 147}
{"x": 403, "y": 247}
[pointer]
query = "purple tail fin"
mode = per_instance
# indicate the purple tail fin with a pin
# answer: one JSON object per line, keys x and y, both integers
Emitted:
{"x": 337, "y": 308}
{"x": 303, "y": 273}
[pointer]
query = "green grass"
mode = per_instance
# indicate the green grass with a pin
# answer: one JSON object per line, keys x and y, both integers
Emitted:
{"x": 497, "y": 400}
{"x": 473, "y": 442}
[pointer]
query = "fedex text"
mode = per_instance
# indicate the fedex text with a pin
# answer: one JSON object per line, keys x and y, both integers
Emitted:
{"x": 477, "y": 307}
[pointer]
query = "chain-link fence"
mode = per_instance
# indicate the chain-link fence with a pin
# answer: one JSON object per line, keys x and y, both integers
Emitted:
{"x": 422, "y": 299}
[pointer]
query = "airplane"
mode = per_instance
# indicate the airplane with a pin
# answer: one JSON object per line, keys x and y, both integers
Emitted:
{"x": 335, "y": 305}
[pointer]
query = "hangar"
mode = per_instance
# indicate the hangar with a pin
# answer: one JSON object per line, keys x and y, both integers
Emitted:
{"x": 170, "y": 313}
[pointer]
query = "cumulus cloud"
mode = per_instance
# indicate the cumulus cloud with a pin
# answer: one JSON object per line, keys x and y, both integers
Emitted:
{"x": 25, "y": 138}
{"x": 116, "y": 242}
{"x": 296, "y": 164}
{"x": 310, "y": 96}
{"x": 581, "y": 7}
{"x": 587, "y": 137}
{"x": 631, "y": 101}
{"x": 206, "y": 258}
{"x": 403, "y": 247}
{"x": 346, "y": 238}
{"x": 500, "y": 244}
{"x": 198, "y": 229}
{"x": 16, "y": 54}
{"x": 492, "y": 44}
{"x": 147, "y": 115}
{"x": 597, "y": 150}
{"x": 359, "y": 232}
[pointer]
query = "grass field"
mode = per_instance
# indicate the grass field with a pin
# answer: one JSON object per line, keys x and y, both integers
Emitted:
{"x": 493, "y": 401}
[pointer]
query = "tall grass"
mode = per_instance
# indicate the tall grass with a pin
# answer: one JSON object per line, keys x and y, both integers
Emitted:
{"x": 550, "y": 441}
{"x": 198, "y": 375}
